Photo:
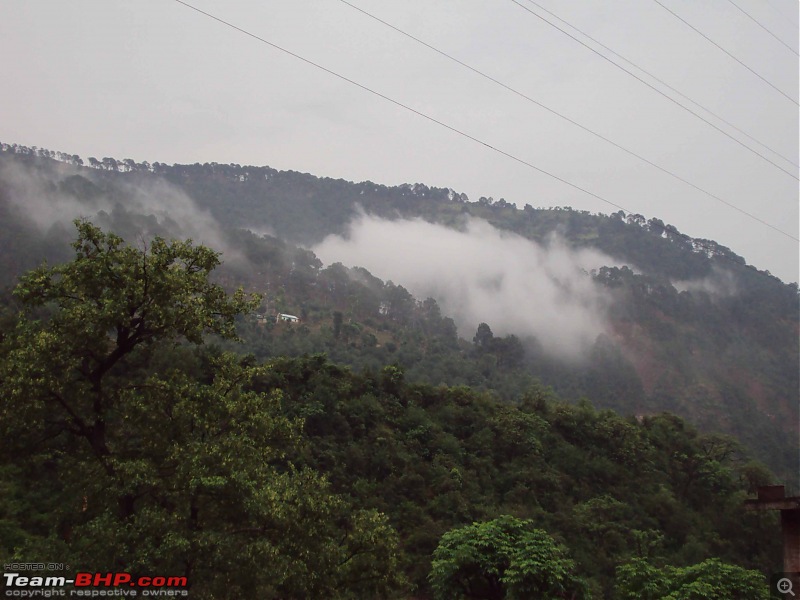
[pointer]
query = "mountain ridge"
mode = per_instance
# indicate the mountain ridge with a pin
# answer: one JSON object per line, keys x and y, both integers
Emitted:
{"x": 724, "y": 359}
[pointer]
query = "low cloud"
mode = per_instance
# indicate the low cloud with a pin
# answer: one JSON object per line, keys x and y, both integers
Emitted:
{"x": 483, "y": 274}
{"x": 55, "y": 196}
{"x": 720, "y": 284}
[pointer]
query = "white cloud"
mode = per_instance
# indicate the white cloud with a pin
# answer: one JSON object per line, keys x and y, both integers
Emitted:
{"x": 482, "y": 274}
{"x": 719, "y": 283}
{"x": 131, "y": 210}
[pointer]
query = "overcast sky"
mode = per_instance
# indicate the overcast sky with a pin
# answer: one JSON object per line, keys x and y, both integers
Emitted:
{"x": 153, "y": 80}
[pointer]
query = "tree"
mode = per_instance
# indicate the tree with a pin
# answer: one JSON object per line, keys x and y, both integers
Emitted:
{"x": 111, "y": 304}
{"x": 509, "y": 351}
{"x": 504, "y": 558}
{"x": 152, "y": 456}
{"x": 400, "y": 303}
{"x": 710, "y": 580}
{"x": 483, "y": 336}
{"x": 337, "y": 323}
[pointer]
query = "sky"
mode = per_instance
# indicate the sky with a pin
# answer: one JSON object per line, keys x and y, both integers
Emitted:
{"x": 154, "y": 80}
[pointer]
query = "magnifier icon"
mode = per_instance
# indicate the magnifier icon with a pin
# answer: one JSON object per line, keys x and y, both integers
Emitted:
{"x": 785, "y": 586}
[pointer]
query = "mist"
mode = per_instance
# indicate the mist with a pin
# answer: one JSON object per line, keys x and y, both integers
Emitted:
{"x": 482, "y": 274}
{"x": 54, "y": 197}
{"x": 719, "y": 283}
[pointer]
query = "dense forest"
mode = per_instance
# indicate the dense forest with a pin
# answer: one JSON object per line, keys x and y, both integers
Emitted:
{"x": 691, "y": 328}
{"x": 157, "y": 420}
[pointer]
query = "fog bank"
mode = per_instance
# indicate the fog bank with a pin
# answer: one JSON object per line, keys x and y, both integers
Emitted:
{"x": 57, "y": 195}
{"x": 483, "y": 274}
{"x": 719, "y": 283}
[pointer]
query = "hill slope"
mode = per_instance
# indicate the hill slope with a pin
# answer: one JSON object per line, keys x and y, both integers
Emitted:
{"x": 690, "y": 327}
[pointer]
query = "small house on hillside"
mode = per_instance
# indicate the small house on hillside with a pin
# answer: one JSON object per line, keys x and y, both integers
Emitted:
{"x": 288, "y": 318}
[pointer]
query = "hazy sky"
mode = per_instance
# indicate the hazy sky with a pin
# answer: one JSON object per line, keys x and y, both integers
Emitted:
{"x": 153, "y": 80}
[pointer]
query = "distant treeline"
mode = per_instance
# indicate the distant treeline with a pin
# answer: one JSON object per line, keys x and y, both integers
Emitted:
{"x": 726, "y": 361}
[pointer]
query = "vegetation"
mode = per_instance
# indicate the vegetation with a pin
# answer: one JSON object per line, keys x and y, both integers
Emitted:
{"x": 722, "y": 354}
{"x": 157, "y": 421}
{"x": 503, "y": 558}
{"x": 709, "y": 580}
{"x": 133, "y": 448}
{"x": 607, "y": 488}
{"x": 125, "y": 455}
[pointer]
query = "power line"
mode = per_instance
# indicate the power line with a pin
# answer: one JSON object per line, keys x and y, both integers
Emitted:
{"x": 569, "y": 120}
{"x": 655, "y": 89}
{"x": 780, "y": 12}
{"x": 753, "y": 19}
{"x": 401, "y": 105}
{"x": 247, "y": 33}
{"x": 696, "y": 30}
{"x": 665, "y": 84}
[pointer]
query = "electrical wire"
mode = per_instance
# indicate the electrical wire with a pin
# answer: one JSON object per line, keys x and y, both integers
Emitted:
{"x": 777, "y": 10}
{"x": 247, "y": 33}
{"x": 655, "y": 89}
{"x": 665, "y": 84}
{"x": 753, "y": 19}
{"x": 434, "y": 120}
{"x": 569, "y": 120}
{"x": 715, "y": 44}
{"x": 404, "y": 106}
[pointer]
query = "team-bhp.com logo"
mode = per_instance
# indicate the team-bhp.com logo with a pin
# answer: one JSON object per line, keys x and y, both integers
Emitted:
{"x": 93, "y": 585}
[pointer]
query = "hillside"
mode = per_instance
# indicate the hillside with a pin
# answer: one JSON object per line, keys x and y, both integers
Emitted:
{"x": 690, "y": 328}
{"x": 135, "y": 443}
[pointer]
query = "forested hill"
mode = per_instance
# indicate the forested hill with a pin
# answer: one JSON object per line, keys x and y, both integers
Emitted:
{"x": 692, "y": 328}
{"x": 130, "y": 445}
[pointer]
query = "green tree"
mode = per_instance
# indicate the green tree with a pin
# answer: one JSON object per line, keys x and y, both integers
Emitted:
{"x": 147, "y": 455}
{"x": 483, "y": 336}
{"x": 710, "y": 580}
{"x": 503, "y": 558}
{"x": 105, "y": 310}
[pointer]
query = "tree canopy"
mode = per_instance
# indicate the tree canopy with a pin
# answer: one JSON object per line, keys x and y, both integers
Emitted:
{"x": 132, "y": 440}
{"x": 149, "y": 455}
{"x": 710, "y": 580}
{"x": 504, "y": 558}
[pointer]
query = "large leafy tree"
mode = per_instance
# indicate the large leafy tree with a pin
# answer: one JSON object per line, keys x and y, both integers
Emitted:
{"x": 144, "y": 454}
{"x": 504, "y": 558}
{"x": 70, "y": 364}
{"x": 709, "y": 580}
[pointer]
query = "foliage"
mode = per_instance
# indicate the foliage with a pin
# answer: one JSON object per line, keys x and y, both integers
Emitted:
{"x": 709, "y": 580}
{"x": 503, "y": 558}
{"x": 337, "y": 474}
{"x": 721, "y": 352}
{"x": 148, "y": 456}
{"x": 435, "y": 458}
